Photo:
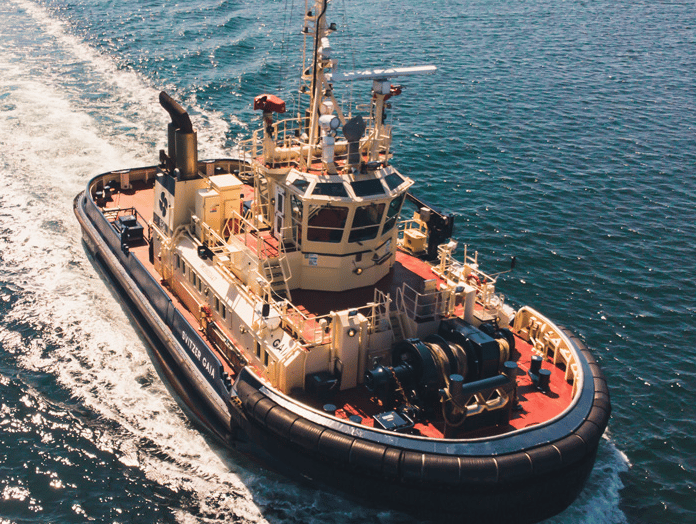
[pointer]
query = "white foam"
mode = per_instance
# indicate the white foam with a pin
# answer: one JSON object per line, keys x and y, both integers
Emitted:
{"x": 54, "y": 135}
{"x": 599, "y": 501}
{"x": 121, "y": 106}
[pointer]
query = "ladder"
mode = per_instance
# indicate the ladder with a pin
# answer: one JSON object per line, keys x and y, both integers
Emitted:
{"x": 275, "y": 274}
{"x": 397, "y": 328}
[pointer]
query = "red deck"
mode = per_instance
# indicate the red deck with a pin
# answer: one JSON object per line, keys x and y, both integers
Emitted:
{"x": 534, "y": 406}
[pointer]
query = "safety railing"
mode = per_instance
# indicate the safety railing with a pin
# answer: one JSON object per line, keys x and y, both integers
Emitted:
{"x": 291, "y": 143}
{"x": 308, "y": 329}
{"x": 549, "y": 342}
{"x": 379, "y": 319}
{"x": 455, "y": 272}
{"x": 422, "y": 306}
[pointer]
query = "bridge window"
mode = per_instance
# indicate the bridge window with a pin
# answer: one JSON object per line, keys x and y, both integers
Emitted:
{"x": 301, "y": 185}
{"x": 326, "y": 223}
{"x": 335, "y": 189}
{"x": 365, "y": 188}
{"x": 366, "y": 222}
{"x": 393, "y": 213}
{"x": 393, "y": 181}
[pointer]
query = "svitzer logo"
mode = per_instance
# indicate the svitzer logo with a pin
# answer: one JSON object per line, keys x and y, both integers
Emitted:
{"x": 163, "y": 204}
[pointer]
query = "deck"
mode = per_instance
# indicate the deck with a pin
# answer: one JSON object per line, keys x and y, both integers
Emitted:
{"x": 534, "y": 406}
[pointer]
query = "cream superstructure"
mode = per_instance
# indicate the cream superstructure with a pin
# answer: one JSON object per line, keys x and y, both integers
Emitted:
{"x": 323, "y": 215}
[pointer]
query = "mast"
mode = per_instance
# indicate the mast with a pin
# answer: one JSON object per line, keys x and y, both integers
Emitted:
{"x": 321, "y": 62}
{"x": 320, "y": 76}
{"x": 319, "y": 34}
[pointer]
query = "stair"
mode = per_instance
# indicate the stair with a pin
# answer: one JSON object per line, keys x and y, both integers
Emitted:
{"x": 273, "y": 271}
{"x": 397, "y": 329}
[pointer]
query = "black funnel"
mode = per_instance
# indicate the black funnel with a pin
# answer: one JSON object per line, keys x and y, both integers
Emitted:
{"x": 182, "y": 139}
{"x": 179, "y": 116}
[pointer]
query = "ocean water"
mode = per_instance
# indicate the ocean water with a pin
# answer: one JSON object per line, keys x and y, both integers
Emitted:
{"x": 559, "y": 132}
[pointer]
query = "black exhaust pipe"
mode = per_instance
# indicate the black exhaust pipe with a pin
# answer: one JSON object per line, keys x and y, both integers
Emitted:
{"x": 179, "y": 116}
{"x": 182, "y": 139}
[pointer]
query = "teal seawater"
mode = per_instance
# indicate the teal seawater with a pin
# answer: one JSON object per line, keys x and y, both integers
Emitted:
{"x": 558, "y": 132}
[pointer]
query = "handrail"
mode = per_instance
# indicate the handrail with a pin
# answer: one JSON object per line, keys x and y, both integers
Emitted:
{"x": 420, "y": 306}
{"x": 283, "y": 254}
{"x": 380, "y": 309}
{"x": 546, "y": 337}
{"x": 468, "y": 272}
{"x": 310, "y": 329}
{"x": 288, "y": 134}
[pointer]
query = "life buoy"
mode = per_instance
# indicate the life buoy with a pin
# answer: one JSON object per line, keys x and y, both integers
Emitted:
{"x": 474, "y": 281}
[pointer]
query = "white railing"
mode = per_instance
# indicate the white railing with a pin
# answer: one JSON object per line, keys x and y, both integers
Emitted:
{"x": 379, "y": 319}
{"x": 455, "y": 273}
{"x": 292, "y": 147}
{"x": 309, "y": 329}
{"x": 318, "y": 330}
{"x": 550, "y": 342}
{"x": 422, "y": 306}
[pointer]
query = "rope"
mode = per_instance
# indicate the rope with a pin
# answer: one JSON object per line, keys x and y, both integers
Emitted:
{"x": 351, "y": 48}
{"x": 284, "y": 34}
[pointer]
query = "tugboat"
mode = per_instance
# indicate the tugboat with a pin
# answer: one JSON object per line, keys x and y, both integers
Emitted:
{"x": 309, "y": 309}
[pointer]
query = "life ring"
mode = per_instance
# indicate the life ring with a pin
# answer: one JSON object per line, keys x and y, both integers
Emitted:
{"x": 474, "y": 281}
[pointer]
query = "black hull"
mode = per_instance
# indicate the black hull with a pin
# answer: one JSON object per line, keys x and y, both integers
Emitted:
{"x": 522, "y": 477}
{"x": 199, "y": 394}
{"x": 171, "y": 374}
